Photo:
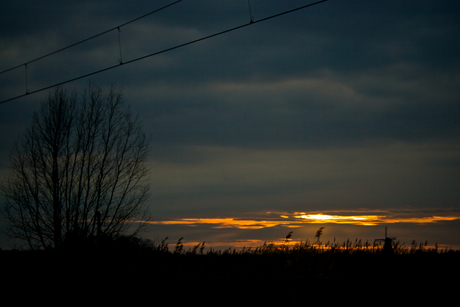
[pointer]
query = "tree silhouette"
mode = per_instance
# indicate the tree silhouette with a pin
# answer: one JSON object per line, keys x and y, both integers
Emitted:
{"x": 79, "y": 172}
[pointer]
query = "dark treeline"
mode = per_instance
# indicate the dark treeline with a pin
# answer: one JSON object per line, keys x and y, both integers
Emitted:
{"x": 133, "y": 257}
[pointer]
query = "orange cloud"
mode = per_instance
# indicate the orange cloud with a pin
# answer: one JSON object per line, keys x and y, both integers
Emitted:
{"x": 226, "y": 223}
{"x": 370, "y": 220}
{"x": 299, "y": 218}
{"x": 367, "y": 220}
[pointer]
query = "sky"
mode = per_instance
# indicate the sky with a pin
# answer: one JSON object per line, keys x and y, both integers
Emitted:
{"x": 343, "y": 115}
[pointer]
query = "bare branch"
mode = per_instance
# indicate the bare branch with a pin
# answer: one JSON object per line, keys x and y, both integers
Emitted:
{"x": 79, "y": 171}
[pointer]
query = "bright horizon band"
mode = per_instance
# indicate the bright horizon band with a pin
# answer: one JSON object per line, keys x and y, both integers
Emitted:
{"x": 298, "y": 219}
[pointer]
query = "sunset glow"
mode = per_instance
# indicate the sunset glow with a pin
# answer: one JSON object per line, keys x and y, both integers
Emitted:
{"x": 300, "y": 218}
{"x": 357, "y": 220}
{"x": 226, "y": 223}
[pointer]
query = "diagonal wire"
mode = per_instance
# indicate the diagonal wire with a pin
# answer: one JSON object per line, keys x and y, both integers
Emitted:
{"x": 168, "y": 49}
{"x": 89, "y": 38}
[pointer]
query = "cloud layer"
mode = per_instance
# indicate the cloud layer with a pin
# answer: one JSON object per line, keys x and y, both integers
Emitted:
{"x": 344, "y": 105}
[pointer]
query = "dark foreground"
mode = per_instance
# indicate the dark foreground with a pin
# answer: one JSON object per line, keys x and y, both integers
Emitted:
{"x": 274, "y": 275}
{"x": 141, "y": 260}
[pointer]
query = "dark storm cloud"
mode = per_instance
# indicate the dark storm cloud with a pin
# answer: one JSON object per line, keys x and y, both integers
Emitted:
{"x": 387, "y": 63}
{"x": 340, "y": 72}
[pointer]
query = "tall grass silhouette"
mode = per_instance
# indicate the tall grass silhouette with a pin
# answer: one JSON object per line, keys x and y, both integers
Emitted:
{"x": 286, "y": 259}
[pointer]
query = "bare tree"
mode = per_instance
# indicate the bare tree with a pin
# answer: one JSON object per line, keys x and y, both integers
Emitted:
{"x": 79, "y": 172}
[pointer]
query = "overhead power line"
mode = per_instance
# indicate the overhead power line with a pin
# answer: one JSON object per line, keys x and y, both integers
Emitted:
{"x": 251, "y": 22}
{"x": 90, "y": 38}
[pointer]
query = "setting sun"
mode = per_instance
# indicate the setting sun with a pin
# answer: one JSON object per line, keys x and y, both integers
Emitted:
{"x": 357, "y": 220}
{"x": 297, "y": 219}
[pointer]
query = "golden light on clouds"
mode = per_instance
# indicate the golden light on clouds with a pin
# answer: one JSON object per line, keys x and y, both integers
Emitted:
{"x": 356, "y": 220}
{"x": 298, "y": 219}
{"x": 226, "y": 223}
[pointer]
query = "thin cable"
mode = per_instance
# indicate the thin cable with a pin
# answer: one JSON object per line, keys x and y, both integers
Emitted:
{"x": 87, "y": 39}
{"x": 251, "y": 18}
{"x": 223, "y": 32}
{"x": 166, "y": 50}
{"x": 119, "y": 47}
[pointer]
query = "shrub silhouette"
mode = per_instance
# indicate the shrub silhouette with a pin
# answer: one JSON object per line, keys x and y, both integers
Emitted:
{"x": 133, "y": 257}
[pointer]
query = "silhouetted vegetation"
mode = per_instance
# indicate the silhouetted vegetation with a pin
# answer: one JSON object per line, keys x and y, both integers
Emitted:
{"x": 78, "y": 173}
{"x": 135, "y": 257}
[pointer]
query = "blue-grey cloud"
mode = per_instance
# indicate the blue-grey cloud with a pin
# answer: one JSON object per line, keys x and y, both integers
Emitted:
{"x": 345, "y": 104}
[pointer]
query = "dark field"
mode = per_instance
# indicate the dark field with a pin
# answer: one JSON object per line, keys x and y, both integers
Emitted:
{"x": 266, "y": 275}
{"x": 137, "y": 258}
